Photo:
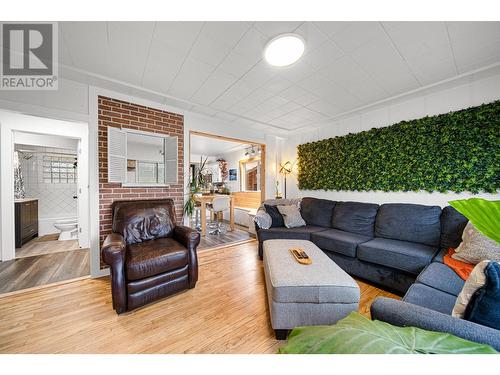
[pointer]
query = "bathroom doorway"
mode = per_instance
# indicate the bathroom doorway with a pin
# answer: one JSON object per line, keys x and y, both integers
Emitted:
{"x": 46, "y": 239}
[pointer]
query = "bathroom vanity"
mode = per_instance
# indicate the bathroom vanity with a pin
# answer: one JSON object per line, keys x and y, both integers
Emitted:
{"x": 26, "y": 220}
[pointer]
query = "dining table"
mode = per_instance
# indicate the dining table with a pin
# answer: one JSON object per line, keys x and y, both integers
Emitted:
{"x": 206, "y": 199}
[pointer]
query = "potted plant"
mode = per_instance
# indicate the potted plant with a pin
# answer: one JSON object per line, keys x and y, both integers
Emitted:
{"x": 194, "y": 188}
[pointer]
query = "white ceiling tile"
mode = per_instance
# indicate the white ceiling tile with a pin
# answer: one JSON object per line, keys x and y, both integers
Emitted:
{"x": 323, "y": 55}
{"x": 324, "y": 107}
{"x": 346, "y": 73}
{"x": 162, "y": 66}
{"x": 425, "y": 47}
{"x": 180, "y": 35}
{"x": 209, "y": 51}
{"x": 296, "y": 72}
{"x": 237, "y": 64}
{"x": 312, "y": 35}
{"x": 129, "y": 42}
{"x": 358, "y": 34}
{"x": 475, "y": 44}
{"x": 225, "y": 116}
{"x": 332, "y": 27}
{"x": 277, "y": 84}
{"x": 272, "y": 29}
{"x": 87, "y": 44}
{"x": 380, "y": 59}
{"x": 252, "y": 44}
{"x": 190, "y": 78}
{"x": 258, "y": 75}
{"x": 226, "y": 33}
{"x": 214, "y": 86}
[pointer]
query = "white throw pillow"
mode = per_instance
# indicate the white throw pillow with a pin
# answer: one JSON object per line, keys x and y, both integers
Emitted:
{"x": 476, "y": 247}
{"x": 291, "y": 216}
{"x": 476, "y": 280}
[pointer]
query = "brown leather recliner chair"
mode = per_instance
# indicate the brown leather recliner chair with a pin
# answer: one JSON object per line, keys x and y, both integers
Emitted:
{"x": 150, "y": 256}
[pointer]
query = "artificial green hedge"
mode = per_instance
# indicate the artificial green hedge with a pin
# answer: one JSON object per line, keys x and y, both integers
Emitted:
{"x": 458, "y": 151}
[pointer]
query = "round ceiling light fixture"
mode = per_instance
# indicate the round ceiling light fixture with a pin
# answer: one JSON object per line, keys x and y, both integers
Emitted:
{"x": 284, "y": 50}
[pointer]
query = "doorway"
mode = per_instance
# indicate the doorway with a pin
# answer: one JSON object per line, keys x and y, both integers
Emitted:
{"x": 221, "y": 166}
{"x": 44, "y": 201}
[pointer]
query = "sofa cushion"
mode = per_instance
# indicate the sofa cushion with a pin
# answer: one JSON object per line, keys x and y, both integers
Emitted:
{"x": 484, "y": 306}
{"x": 355, "y": 217}
{"x": 299, "y": 233}
{"x": 339, "y": 241}
{"x": 452, "y": 226}
{"x": 317, "y": 211}
{"x": 153, "y": 257}
{"x": 440, "y": 276}
{"x": 439, "y": 257}
{"x": 409, "y": 222}
{"x": 405, "y": 256}
{"x": 425, "y": 296}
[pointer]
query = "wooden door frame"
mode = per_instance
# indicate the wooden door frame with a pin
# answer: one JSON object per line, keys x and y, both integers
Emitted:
{"x": 224, "y": 138}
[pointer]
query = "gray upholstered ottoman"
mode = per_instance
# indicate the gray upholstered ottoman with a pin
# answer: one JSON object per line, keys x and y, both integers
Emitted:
{"x": 301, "y": 295}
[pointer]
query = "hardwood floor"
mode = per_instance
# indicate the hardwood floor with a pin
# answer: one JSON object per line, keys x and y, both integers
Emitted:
{"x": 46, "y": 245}
{"x": 44, "y": 269}
{"x": 239, "y": 234}
{"x": 226, "y": 313}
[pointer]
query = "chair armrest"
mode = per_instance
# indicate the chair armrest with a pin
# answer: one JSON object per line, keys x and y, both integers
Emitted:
{"x": 406, "y": 314}
{"x": 190, "y": 238}
{"x": 113, "y": 254}
{"x": 113, "y": 249}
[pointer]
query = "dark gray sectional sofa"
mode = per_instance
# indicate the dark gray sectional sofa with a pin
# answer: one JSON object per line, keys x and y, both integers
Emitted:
{"x": 388, "y": 244}
{"x": 400, "y": 247}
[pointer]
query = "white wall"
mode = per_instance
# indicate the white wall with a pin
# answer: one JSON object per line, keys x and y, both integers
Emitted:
{"x": 467, "y": 92}
{"x": 233, "y": 162}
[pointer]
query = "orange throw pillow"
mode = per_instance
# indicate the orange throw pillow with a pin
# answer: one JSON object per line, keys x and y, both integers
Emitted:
{"x": 462, "y": 269}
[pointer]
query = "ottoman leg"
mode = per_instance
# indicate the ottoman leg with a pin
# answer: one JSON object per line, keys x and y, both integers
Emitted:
{"x": 281, "y": 334}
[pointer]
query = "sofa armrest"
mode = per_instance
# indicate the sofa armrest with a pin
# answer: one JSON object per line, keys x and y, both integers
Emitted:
{"x": 190, "y": 239}
{"x": 406, "y": 314}
{"x": 113, "y": 254}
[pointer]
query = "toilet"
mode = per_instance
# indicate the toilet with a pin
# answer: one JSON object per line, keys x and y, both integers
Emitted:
{"x": 68, "y": 228}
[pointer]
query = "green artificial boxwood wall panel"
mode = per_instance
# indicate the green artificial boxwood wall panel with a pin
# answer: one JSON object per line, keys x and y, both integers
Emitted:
{"x": 458, "y": 151}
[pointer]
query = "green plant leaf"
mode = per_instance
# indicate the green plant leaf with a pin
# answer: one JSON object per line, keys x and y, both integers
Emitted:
{"x": 484, "y": 214}
{"x": 357, "y": 334}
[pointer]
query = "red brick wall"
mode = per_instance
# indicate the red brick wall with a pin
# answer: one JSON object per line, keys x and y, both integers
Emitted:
{"x": 120, "y": 114}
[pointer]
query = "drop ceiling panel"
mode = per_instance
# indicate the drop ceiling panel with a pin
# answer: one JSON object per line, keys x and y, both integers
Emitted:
{"x": 180, "y": 35}
{"x": 218, "y": 67}
{"x": 190, "y": 78}
{"x": 162, "y": 67}
{"x": 475, "y": 44}
{"x": 381, "y": 60}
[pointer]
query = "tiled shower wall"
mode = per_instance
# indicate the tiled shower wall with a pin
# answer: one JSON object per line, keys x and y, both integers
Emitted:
{"x": 55, "y": 200}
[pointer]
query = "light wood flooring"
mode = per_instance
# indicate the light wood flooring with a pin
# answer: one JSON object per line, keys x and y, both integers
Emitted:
{"x": 239, "y": 234}
{"x": 47, "y": 244}
{"x": 226, "y": 313}
{"x": 44, "y": 269}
